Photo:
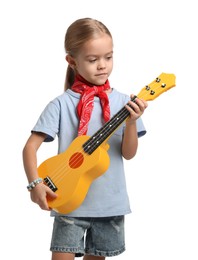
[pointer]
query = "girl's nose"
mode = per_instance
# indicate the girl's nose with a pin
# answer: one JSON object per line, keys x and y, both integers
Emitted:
{"x": 101, "y": 64}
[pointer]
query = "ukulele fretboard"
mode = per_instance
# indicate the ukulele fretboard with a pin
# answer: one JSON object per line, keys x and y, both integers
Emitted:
{"x": 102, "y": 134}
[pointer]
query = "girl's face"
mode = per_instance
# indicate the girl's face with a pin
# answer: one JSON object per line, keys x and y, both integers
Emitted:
{"x": 94, "y": 61}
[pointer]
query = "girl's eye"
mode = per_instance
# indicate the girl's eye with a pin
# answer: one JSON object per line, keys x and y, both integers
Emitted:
{"x": 109, "y": 57}
{"x": 92, "y": 61}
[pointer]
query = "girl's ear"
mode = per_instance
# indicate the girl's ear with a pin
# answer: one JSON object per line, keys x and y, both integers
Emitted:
{"x": 71, "y": 61}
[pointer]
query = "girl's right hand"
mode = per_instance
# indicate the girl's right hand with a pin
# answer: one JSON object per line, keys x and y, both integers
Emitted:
{"x": 39, "y": 195}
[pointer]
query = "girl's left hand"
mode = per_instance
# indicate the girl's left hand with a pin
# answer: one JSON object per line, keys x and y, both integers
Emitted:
{"x": 136, "y": 110}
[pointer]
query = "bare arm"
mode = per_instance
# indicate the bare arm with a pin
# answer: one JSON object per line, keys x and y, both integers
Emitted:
{"x": 130, "y": 138}
{"x": 41, "y": 191}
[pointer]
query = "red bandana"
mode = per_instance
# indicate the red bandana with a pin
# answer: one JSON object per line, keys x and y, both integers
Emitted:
{"x": 86, "y": 103}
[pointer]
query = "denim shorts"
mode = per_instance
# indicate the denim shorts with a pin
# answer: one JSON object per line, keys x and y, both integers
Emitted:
{"x": 91, "y": 236}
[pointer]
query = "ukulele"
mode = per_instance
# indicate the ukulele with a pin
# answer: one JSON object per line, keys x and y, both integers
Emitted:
{"x": 71, "y": 173}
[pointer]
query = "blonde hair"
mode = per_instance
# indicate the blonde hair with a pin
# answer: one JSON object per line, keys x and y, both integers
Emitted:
{"x": 77, "y": 34}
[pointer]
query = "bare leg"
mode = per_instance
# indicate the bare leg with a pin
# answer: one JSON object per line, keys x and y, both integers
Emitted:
{"x": 91, "y": 257}
{"x": 62, "y": 256}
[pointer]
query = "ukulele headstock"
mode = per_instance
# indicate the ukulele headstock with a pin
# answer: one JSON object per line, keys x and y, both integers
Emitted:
{"x": 158, "y": 86}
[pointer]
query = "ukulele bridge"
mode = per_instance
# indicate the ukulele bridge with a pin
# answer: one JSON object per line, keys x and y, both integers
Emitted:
{"x": 50, "y": 184}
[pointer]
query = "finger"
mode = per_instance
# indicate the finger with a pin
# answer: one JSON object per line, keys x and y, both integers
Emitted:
{"x": 141, "y": 104}
{"x": 44, "y": 206}
{"x": 133, "y": 107}
{"x": 51, "y": 195}
{"x": 133, "y": 113}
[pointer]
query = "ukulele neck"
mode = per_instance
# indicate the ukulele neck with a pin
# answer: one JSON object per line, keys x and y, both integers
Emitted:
{"x": 107, "y": 130}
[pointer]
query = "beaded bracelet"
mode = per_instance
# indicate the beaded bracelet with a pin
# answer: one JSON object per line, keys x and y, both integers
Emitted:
{"x": 34, "y": 183}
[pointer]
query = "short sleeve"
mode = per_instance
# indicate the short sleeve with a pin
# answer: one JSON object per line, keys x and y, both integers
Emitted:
{"x": 141, "y": 131}
{"x": 48, "y": 122}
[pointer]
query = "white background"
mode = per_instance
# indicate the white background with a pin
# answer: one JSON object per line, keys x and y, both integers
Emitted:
{"x": 150, "y": 37}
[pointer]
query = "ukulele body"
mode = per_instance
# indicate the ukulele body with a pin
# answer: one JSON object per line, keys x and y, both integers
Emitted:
{"x": 71, "y": 173}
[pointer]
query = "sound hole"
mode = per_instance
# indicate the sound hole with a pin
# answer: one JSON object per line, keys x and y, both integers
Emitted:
{"x": 76, "y": 160}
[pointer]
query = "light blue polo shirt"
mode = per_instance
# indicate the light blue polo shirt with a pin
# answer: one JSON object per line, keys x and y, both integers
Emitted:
{"x": 107, "y": 195}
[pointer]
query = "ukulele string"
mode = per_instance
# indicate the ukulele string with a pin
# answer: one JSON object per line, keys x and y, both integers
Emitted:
{"x": 65, "y": 168}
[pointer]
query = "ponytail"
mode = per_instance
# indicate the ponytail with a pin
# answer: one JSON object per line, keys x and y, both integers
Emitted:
{"x": 69, "y": 78}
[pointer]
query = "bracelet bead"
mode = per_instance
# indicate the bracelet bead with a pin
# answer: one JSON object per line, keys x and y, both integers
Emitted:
{"x": 34, "y": 183}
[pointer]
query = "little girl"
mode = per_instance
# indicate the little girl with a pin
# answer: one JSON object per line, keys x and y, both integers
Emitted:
{"x": 95, "y": 229}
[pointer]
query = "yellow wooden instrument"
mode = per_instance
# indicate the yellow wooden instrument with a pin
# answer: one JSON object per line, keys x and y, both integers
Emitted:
{"x": 71, "y": 173}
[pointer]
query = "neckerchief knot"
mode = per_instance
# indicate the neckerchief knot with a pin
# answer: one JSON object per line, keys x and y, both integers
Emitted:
{"x": 86, "y": 103}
